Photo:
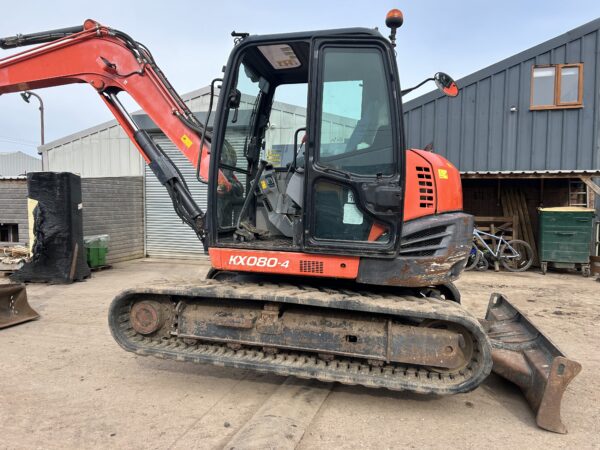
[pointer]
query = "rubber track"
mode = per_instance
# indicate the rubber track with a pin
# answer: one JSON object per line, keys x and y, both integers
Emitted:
{"x": 307, "y": 365}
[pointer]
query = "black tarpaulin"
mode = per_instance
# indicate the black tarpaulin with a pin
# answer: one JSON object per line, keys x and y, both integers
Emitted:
{"x": 58, "y": 251}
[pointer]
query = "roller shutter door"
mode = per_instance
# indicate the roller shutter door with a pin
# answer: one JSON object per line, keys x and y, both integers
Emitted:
{"x": 166, "y": 235}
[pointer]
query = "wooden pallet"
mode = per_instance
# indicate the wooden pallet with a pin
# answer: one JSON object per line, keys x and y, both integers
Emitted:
{"x": 8, "y": 269}
{"x": 514, "y": 204}
{"x": 491, "y": 225}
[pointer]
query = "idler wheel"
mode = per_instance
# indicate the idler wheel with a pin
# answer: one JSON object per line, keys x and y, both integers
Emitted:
{"x": 147, "y": 316}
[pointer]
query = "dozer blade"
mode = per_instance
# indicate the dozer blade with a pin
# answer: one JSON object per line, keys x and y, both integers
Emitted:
{"x": 525, "y": 356}
{"x": 14, "y": 307}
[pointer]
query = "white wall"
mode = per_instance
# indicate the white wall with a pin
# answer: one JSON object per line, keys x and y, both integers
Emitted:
{"x": 103, "y": 153}
{"x": 105, "y": 150}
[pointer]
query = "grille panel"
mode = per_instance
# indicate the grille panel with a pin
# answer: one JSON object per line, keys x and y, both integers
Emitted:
{"x": 424, "y": 233}
{"x": 420, "y": 253}
{"x": 424, "y": 242}
{"x": 308, "y": 266}
{"x": 426, "y": 193}
{"x": 427, "y": 243}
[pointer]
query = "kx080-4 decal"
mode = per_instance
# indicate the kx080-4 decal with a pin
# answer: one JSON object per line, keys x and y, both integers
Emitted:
{"x": 258, "y": 261}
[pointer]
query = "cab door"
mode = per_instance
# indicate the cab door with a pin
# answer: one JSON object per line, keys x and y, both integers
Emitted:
{"x": 354, "y": 192}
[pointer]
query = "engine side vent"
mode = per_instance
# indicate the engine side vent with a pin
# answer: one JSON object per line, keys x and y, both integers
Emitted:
{"x": 311, "y": 266}
{"x": 426, "y": 193}
{"x": 424, "y": 242}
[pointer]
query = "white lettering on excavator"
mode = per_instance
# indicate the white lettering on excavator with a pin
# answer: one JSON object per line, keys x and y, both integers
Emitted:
{"x": 256, "y": 261}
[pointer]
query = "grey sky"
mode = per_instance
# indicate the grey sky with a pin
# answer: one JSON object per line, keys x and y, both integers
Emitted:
{"x": 191, "y": 42}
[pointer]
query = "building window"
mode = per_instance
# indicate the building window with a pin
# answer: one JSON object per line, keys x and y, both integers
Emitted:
{"x": 578, "y": 193}
{"x": 557, "y": 86}
{"x": 9, "y": 232}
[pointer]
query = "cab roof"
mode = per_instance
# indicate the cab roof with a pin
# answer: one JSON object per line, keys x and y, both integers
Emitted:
{"x": 307, "y": 35}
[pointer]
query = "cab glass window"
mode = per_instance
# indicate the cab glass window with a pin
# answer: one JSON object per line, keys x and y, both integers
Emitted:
{"x": 288, "y": 114}
{"x": 355, "y": 116}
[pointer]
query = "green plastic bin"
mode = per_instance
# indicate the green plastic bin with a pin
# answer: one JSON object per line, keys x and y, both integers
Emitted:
{"x": 566, "y": 237}
{"x": 96, "y": 248}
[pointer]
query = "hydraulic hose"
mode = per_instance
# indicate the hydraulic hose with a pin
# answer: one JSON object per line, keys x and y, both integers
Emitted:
{"x": 41, "y": 37}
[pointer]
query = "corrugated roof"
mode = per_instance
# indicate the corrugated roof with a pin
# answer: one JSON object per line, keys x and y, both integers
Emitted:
{"x": 112, "y": 123}
{"x": 525, "y": 173}
{"x": 13, "y": 178}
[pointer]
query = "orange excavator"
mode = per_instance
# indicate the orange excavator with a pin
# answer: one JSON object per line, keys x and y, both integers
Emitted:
{"x": 333, "y": 247}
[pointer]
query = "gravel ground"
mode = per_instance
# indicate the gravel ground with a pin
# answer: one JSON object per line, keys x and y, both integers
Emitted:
{"x": 65, "y": 383}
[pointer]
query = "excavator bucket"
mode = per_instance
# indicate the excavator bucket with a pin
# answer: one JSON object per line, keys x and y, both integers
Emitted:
{"x": 525, "y": 356}
{"x": 14, "y": 307}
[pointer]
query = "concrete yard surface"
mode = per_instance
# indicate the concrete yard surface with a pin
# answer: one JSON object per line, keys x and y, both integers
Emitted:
{"x": 65, "y": 383}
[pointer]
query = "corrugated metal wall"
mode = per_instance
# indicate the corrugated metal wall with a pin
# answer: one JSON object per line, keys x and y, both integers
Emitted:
{"x": 286, "y": 119}
{"x": 13, "y": 164}
{"x": 105, "y": 150}
{"x": 13, "y": 205}
{"x": 115, "y": 206}
{"x": 478, "y": 131}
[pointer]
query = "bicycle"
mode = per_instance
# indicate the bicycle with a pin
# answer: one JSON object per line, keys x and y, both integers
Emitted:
{"x": 514, "y": 255}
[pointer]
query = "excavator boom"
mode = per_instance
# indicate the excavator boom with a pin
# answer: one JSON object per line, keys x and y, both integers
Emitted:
{"x": 111, "y": 62}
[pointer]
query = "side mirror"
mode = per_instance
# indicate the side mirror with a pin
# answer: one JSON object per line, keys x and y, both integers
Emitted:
{"x": 446, "y": 84}
{"x": 235, "y": 98}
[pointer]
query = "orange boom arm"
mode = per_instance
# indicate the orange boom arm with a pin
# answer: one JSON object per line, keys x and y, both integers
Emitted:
{"x": 111, "y": 62}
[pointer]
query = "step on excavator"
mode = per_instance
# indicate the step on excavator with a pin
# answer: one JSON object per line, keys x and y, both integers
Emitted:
{"x": 333, "y": 247}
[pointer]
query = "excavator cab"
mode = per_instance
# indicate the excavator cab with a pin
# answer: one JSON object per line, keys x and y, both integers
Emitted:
{"x": 323, "y": 171}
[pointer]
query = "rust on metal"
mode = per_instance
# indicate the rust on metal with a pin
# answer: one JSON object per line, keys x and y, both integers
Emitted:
{"x": 464, "y": 340}
{"x": 435, "y": 270}
{"x": 147, "y": 316}
{"x": 332, "y": 341}
{"x": 525, "y": 356}
{"x": 307, "y": 329}
{"x": 268, "y": 322}
{"x": 433, "y": 252}
{"x": 14, "y": 308}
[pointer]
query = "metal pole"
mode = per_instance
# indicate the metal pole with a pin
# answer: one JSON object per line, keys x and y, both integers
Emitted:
{"x": 117, "y": 103}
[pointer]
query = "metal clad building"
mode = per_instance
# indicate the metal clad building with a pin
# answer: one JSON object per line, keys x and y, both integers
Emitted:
{"x": 490, "y": 125}
{"x": 13, "y": 164}
{"x": 530, "y": 122}
{"x": 132, "y": 222}
{"x": 101, "y": 151}
{"x": 104, "y": 150}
